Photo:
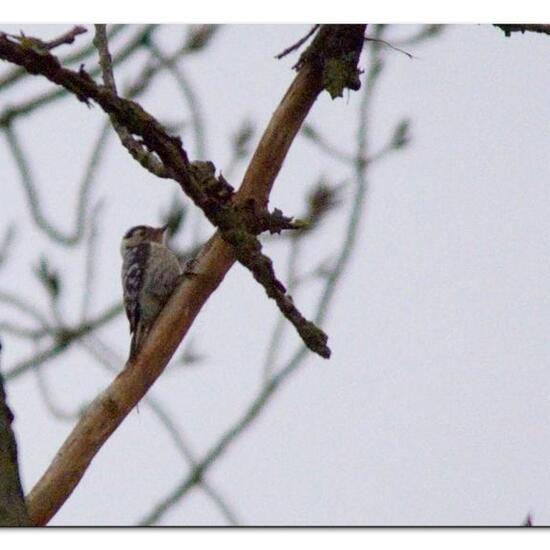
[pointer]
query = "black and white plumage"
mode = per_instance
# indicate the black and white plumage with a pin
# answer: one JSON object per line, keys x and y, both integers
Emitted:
{"x": 150, "y": 273}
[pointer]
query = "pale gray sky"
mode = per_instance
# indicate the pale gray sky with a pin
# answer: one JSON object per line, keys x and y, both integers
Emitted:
{"x": 433, "y": 409}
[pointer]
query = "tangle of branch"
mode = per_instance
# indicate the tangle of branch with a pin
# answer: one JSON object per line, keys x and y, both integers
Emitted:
{"x": 274, "y": 382}
{"x": 169, "y": 150}
{"x": 330, "y": 64}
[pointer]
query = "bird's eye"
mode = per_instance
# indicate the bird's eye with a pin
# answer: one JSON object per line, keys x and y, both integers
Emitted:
{"x": 135, "y": 232}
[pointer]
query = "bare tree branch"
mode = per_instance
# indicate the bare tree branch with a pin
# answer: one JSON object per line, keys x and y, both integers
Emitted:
{"x": 390, "y": 45}
{"x": 33, "y": 200}
{"x": 66, "y": 38}
{"x": 53, "y": 407}
{"x": 24, "y": 307}
{"x": 13, "y": 76}
{"x": 29, "y": 106}
{"x": 91, "y": 260}
{"x": 13, "y": 511}
{"x": 298, "y": 44}
{"x": 63, "y": 338}
{"x": 136, "y": 149}
{"x": 310, "y": 133}
{"x": 523, "y": 27}
{"x": 197, "y": 118}
{"x": 7, "y": 241}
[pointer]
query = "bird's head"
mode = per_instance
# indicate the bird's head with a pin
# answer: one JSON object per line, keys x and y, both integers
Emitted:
{"x": 143, "y": 234}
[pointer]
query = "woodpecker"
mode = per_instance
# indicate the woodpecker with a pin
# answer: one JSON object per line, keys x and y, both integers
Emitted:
{"x": 150, "y": 273}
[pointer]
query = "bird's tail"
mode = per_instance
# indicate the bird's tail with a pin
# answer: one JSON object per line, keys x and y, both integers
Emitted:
{"x": 138, "y": 337}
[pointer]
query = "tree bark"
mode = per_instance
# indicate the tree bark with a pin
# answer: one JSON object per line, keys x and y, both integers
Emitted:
{"x": 13, "y": 510}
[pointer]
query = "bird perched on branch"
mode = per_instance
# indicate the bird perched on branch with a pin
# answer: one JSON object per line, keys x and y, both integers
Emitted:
{"x": 150, "y": 273}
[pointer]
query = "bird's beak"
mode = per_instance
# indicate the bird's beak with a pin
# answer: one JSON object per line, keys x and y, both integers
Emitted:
{"x": 160, "y": 233}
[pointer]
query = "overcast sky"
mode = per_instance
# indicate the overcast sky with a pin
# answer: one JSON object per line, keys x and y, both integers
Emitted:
{"x": 434, "y": 406}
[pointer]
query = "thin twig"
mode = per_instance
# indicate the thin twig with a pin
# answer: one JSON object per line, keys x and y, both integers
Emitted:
{"x": 192, "y": 99}
{"x": 14, "y": 329}
{"x": 69, "y": 238}
{"x": 64, "y": 338}
{"x": 55, "y": 410}
{"x": 297, "y": 44}
{"x": 66, "y": 38}
{"x": 136, "y": 149}
{"x": 24, "y": 307}
{"x": 390, "y": 45}
{"x": 310, "y": 133}
{"x": 33, "y": 200}
{"x": 91, "y": 261}
{"x": 41, "y": 46}
{"x": 105, "y": 60}
{"x": 7, "y": 241}
{"x": 241, "y": 141}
